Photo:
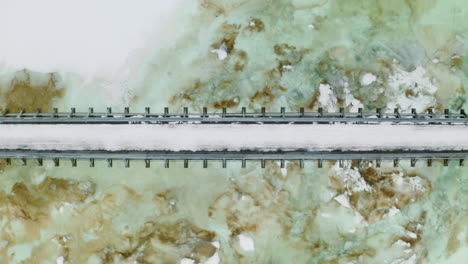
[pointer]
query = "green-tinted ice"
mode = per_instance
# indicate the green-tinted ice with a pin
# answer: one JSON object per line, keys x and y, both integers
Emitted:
{"x": 282, "y": 53}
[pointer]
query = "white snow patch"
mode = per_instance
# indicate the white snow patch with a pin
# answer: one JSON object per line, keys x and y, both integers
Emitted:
{"x": 187, "y": 261}
{"x": 327, "y": 97}
{"x": 343, "y": 199}
{"x": 411, "y": 234}
{"x": 105, "y": 50}
{"x": 100, "y": 45}
{"x": 288, "y": 67}
{"x": 215, "y": 244}
{"x": 60, "y": 260}
{"x": 418, "y": 82}
{"x": 402, "y": 243}
{"x": 416, "y": 184}
{"x": 368, "y": 79}
{"x": 284, "y": 170}
{"x": 392, "y": 211}
{"x": 246, "y": 242}
{"x": 352, "y": 179}
{"x": 221, "y": 52}
{"x": 398, "y": 178}
{"x": 351, "y": 101}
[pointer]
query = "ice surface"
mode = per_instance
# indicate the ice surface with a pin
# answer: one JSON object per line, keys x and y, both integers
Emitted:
{"x": 279, "y": 53}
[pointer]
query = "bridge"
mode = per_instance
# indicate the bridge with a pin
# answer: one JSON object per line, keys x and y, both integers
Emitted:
{"x": 242, "y": 136}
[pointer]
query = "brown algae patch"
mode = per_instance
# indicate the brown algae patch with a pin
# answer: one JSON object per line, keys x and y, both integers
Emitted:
{"x": 32, "y": 203}
{"x": 29, "y": 210}
{"x": 3, "y": 165}
{"x": 242, "y": 62}
{"x": 375, "y": 193}
{"x": 283, "y": 49}
{"x": 231, "y": 103}
{"x": 229, "y": 33}
{"x": 265, "y": 96}
{"x": 179, "y": 239}
{"x": 187, "y": 94}
{"x": 256, "y": 25}
{"x": 30, "y": 91}
{"x": 34, "y": 210}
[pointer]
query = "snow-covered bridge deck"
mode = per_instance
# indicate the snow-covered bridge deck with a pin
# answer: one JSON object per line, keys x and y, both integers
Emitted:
{"x": 234, "y": 136}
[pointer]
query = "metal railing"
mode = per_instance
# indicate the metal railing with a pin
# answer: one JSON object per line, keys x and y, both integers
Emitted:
{"x": 243, "y": 117}
{"x": 224, "y": 157}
